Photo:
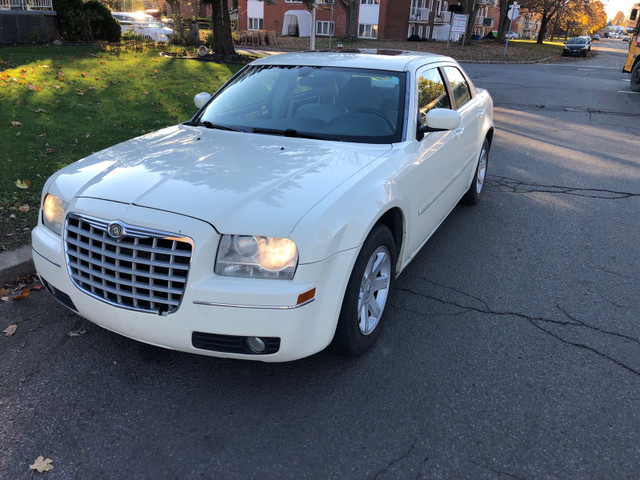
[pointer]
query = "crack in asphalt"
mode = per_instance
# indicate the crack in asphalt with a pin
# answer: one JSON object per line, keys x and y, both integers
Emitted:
{"x": 537, "y": 322}
{"x": 512, "y": 185}
{"x": 552, "y": 108}
{"x": 496, "y": 471}
{"x": 393, "y": 462}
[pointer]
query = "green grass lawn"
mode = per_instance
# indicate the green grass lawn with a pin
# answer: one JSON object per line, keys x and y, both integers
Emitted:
{"x": 60, "y": 104}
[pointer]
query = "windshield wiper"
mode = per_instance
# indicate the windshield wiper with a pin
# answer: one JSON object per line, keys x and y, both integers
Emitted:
{"x": 289, "y": 132}
{"x": 208, "y": 124}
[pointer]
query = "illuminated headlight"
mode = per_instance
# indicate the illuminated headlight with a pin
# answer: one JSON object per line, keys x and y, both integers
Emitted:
{"x": 53, "y": 213}
{"x": 254, "y": 256}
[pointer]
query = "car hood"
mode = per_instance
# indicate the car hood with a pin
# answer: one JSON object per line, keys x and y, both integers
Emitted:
{"x": 238, "y": 182}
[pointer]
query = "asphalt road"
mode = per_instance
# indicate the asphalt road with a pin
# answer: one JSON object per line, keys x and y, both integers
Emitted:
{"x": 511, "y": 351}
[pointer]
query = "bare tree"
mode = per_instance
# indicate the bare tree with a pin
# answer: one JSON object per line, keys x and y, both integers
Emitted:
{"x": 222, "y": 39}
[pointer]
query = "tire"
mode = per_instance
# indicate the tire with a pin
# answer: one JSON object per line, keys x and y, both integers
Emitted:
{"x": 474, "y": 193}
{"x": 371, "y": 281}
{"x": 635, "y": 77}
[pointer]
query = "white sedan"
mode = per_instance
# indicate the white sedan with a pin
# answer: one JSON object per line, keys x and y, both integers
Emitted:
{"x": 274, "y": 222}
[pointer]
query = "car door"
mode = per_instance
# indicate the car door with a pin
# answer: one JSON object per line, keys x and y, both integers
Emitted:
{"x": 471, "y": 110}
{"x": 434, "y": 164}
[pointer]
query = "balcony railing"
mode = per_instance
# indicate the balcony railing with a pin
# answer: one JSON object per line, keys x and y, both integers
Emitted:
{"x": 26, "y": 4}
{"x": 479, "y": 22}
{"x": 442, "y": 17}
{"x": 419, "y": 14}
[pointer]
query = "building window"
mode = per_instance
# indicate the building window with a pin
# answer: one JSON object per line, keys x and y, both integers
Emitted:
{"x": 324, "y": 28}
{"x": 255, "y": 24}
{"x": 367, "y": 31}
{"x": 370, "y": 2}
{"x": 292, "y": 1}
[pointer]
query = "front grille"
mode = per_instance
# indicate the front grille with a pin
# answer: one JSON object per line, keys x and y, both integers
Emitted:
{"x": 143, "y": 269}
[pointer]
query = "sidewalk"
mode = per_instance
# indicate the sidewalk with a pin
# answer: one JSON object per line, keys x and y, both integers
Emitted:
{"x": 16, "y": 263}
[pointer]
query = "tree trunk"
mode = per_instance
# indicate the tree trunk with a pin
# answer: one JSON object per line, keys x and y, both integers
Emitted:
{"x": 544, "y": 20}
{"x": 470, "y": 21}
{"x": 350, "y": 8}
{"x": 222, "y": 40}
{"x": 503, "y": 23}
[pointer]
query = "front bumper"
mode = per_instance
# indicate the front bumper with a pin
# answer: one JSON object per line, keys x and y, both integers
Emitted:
{"x": 211, "y": 305}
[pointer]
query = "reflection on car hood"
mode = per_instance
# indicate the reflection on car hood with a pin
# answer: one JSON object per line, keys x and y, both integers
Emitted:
{"x": 238, "y": 182}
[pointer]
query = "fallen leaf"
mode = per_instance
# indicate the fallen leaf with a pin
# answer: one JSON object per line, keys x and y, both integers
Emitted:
{"x": 41, "y": 110}
{"x": 80, "y": 92}
{"x": 10, "y": 330}
{"x": 76, "y": 333}
{"x": 15, "y": 123}
{"x": 23, "y": 184}
{"x": 49, "y": 151}
{"x": 24, "y": 208}
{"x": 31, "y": 86}
{"x": 22, "y": 295}
{"x": 42, "y": 135}
{"x": 42, "y": 464}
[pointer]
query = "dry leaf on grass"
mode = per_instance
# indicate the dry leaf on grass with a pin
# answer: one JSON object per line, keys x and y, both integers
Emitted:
{"x": 10, "y": 330}
{"x": 42, "y": 464}
{"x": 23, "y": 184}
{"x": 15, "y": 123}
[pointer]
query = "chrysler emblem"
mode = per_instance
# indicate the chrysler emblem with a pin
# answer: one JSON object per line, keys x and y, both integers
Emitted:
{"x": 115, "y": 230}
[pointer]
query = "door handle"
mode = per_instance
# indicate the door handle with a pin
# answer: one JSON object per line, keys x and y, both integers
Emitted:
{"x": 480, "y": 112}
{"x": 459, "y": 132}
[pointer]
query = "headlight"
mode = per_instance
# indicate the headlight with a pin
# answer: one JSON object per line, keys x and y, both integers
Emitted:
{"x": 53, "y": 213}
{"x": 254, "y": 256}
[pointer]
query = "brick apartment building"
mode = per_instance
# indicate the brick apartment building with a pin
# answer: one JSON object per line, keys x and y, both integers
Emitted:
{"x": 377, "y": 19}
{"x": 382, "y": 19}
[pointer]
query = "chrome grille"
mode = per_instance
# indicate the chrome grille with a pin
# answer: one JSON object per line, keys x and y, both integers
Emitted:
{"x": 143, "y": 269}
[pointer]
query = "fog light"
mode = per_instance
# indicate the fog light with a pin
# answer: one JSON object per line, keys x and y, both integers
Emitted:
{"x": 255, "y": 344}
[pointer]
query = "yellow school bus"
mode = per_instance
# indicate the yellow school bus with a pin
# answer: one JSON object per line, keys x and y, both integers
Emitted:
{"x": 632, "y": 64}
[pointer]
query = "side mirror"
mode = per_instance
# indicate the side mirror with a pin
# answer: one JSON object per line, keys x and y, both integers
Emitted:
{"x": 439, "y": 120}
{"x": 201, "y": 99}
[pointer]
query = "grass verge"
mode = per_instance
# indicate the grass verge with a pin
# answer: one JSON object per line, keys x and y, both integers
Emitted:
{"x": 60, "y": 104}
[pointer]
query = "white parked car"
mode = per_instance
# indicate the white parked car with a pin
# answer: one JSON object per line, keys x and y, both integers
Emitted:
{"x": 511, "y": 35}
{"x": 276, "y": 220}
{"x": 141, "y": 24}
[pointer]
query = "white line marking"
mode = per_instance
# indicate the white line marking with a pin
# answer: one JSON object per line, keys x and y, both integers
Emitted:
{"x": 632, "y": 93}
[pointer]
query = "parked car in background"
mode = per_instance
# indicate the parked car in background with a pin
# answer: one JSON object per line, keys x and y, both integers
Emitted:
{"x": 511, "y": 35}
{"x": 576, "y": 46}
{"x": 276, "y": 220}
{"x": 142, "y": 24}
{"x": 596, "y": 37}
{"x": 588, "y": 39}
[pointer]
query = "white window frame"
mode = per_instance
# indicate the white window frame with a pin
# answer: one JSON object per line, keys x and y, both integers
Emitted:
{"x": 369, "y": 2}
{"x": 325, "y": 28}
{"x": 252, "y": 21}
{"x": 367, "y": 31}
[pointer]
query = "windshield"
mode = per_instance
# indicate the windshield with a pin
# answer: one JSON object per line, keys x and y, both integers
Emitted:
{"x": 319, "y": 102}
{"x": 575, "y": 41}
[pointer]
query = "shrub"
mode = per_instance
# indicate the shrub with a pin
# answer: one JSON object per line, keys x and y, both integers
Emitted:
{"x": 85, "y": 21}
{"x": 102, "y": 26}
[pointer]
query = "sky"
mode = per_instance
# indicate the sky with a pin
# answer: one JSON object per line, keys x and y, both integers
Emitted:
{"x": 615, "y": 6}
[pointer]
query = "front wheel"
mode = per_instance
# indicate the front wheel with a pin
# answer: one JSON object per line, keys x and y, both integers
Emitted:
{"x": 361, "y": 316}
{"x": 475, "y": 190}
{"x": 635, "y": 77}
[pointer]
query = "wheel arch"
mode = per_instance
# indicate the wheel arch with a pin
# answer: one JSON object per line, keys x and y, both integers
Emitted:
{"x": 395, "y": 221}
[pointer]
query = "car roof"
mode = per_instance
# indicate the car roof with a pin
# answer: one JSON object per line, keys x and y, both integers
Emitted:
{"x": 376, "y": 59}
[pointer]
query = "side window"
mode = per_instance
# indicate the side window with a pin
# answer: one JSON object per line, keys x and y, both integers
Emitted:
{"x": 431, "y": 92}
{"x": 459, "y": 86}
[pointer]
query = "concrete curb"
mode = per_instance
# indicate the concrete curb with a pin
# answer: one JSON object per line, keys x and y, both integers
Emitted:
{"x": 16, "y": 263}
